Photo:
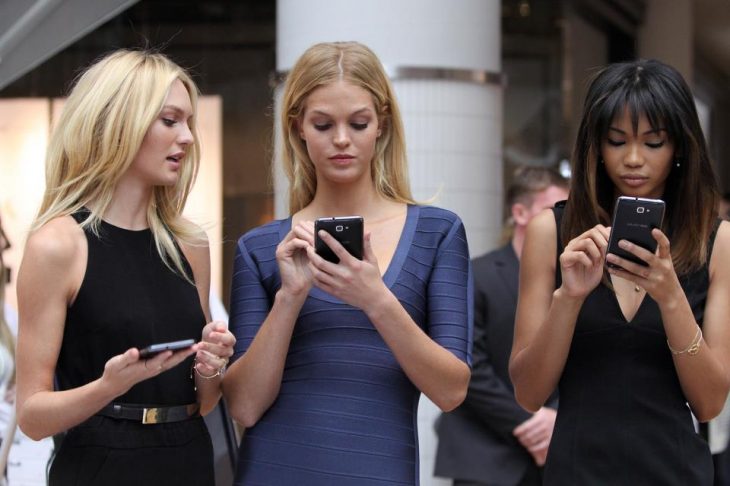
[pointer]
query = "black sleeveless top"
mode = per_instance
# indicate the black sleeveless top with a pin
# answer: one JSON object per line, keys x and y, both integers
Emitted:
{"x": 129, "y": 298}
{"x": 623, "y": 418}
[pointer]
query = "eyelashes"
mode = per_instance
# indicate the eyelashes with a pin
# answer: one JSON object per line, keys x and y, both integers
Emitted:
{"x": 653, "y": 145}
{"x": 323, "y": 127}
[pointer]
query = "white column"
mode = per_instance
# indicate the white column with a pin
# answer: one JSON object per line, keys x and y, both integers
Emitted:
{"x": 444, "y": 58}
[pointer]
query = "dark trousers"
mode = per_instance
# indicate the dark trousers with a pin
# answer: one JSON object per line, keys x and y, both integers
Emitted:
{"x": 721, "y": 462}
{"x": 106, "y": 452}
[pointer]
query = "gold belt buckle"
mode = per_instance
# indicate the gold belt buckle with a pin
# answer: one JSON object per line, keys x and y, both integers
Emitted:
{"x": 151, "y": 415}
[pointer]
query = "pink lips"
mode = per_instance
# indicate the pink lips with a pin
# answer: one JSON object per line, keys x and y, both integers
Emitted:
{"x": 176, "y": 158}
{"x": 634, "y": 181}
{"x": 342, "y": 158}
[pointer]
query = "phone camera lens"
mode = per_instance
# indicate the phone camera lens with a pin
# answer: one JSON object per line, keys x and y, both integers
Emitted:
{"x": 640, "y": 209}
{"x": 338, "y": 228}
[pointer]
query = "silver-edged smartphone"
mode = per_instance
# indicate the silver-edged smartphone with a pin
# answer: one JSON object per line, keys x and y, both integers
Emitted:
{"x": 348, "y": 230}
{"x": 154, "y": 349}
{"x": 633, "y": 220}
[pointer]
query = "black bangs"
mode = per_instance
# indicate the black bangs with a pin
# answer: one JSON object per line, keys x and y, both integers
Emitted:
{"x": 643, "y": 90}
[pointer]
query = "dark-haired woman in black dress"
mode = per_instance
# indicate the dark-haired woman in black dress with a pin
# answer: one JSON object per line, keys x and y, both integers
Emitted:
{"x": 634, "y": 350}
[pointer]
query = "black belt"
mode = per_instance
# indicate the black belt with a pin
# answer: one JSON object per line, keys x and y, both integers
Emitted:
{"x": 150, "y": 415}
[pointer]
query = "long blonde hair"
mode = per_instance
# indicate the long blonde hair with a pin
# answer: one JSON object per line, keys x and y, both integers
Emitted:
{"x": 326, "y": 63}
{"x": 100, "y": 131}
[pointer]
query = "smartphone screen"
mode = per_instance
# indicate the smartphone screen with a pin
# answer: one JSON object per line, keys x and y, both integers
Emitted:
{"x": 154, "y": 349}
{"x": 348, "y": 230}
{"x": 633, "y": 220}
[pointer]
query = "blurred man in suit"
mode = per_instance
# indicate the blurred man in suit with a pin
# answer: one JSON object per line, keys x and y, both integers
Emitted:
{"x": 489, "y": 439}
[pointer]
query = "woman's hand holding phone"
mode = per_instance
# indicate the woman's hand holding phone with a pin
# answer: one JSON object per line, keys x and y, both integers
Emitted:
{"x": 353, "y": 281}
{"x": 657, "y": 277}
{"x": 639, "y": 251}
{"x": 347, "y": 230}
{"x": 123, "y": 371}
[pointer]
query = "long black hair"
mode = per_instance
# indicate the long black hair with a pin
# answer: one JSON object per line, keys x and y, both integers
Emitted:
{"x": 658, "y": 91}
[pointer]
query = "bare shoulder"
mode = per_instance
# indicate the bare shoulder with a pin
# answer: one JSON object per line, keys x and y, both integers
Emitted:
{"x": 195, "y": 246}
{"x": 543, "y": 227}
{"x": 540, "y": 247}
{"x": 53, "y": 263}
{"x": 197, "y": 251}
{"x": 721, "y": 249}
{"x": 60, "y": 242}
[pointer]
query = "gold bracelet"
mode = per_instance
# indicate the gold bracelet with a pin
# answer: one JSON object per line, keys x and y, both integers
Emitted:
{"x": 217, "y": 373}
{"x": 694, "y": 346}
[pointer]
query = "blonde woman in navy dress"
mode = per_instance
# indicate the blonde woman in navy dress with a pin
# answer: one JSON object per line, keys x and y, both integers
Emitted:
{"x": 634, "y": 350}
{"x": 111, "y": 266}
{"x": 331, "y": 358}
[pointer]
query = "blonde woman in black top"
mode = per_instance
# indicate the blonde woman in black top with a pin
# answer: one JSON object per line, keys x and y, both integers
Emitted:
{"x": 111, "y": 266}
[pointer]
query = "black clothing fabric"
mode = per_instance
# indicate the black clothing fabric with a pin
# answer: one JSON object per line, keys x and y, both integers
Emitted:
{"x": 130, "y": 298}
{"x": 475, "y": 441}
{"x": 106, "y": 452}
{"x": 623, "y": 418}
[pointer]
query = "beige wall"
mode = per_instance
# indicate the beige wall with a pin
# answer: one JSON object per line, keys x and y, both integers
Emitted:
{"x": 668, "y": 34}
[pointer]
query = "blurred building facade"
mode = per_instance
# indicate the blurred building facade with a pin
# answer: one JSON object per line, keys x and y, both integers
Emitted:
{"x": 484, "y": 84}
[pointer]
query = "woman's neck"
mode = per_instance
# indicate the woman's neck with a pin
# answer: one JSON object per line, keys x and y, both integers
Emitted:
{"x": 361, "y": 200}
{"x": 128, "y": 207}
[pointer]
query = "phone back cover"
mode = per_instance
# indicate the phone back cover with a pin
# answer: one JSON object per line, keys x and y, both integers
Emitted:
{"x": 633, "y": 220}
{"x": 350, "y": 238}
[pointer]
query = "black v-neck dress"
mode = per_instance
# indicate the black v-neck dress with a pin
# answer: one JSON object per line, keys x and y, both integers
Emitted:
{"x": 623, "y": 418}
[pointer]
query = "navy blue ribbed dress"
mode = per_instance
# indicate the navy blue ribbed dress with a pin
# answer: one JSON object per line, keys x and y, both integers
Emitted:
{"x": 346, "y": 411}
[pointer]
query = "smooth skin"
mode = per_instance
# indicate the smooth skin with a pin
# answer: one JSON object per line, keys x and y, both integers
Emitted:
{"x": 341, "y": 127}
{"x": 51, "y": 274}
{"x": 638, "y": 164}
{"x": 534, "y": 434}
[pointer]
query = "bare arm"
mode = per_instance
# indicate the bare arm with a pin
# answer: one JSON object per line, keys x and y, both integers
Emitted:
{"x": 50, "y": 275}
{"x": 216, "y": 344}
{"x": 704, "y": 376}
{"x": 545, "y": 319}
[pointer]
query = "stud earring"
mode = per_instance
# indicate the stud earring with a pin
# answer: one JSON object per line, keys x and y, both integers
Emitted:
{"x": 677, "y": 162}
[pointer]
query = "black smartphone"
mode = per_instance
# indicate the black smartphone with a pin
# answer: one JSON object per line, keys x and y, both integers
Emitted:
{"x": 154, "y": 349}
{"x": 348, "y": 230}
{"x": 633, "y": 220}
